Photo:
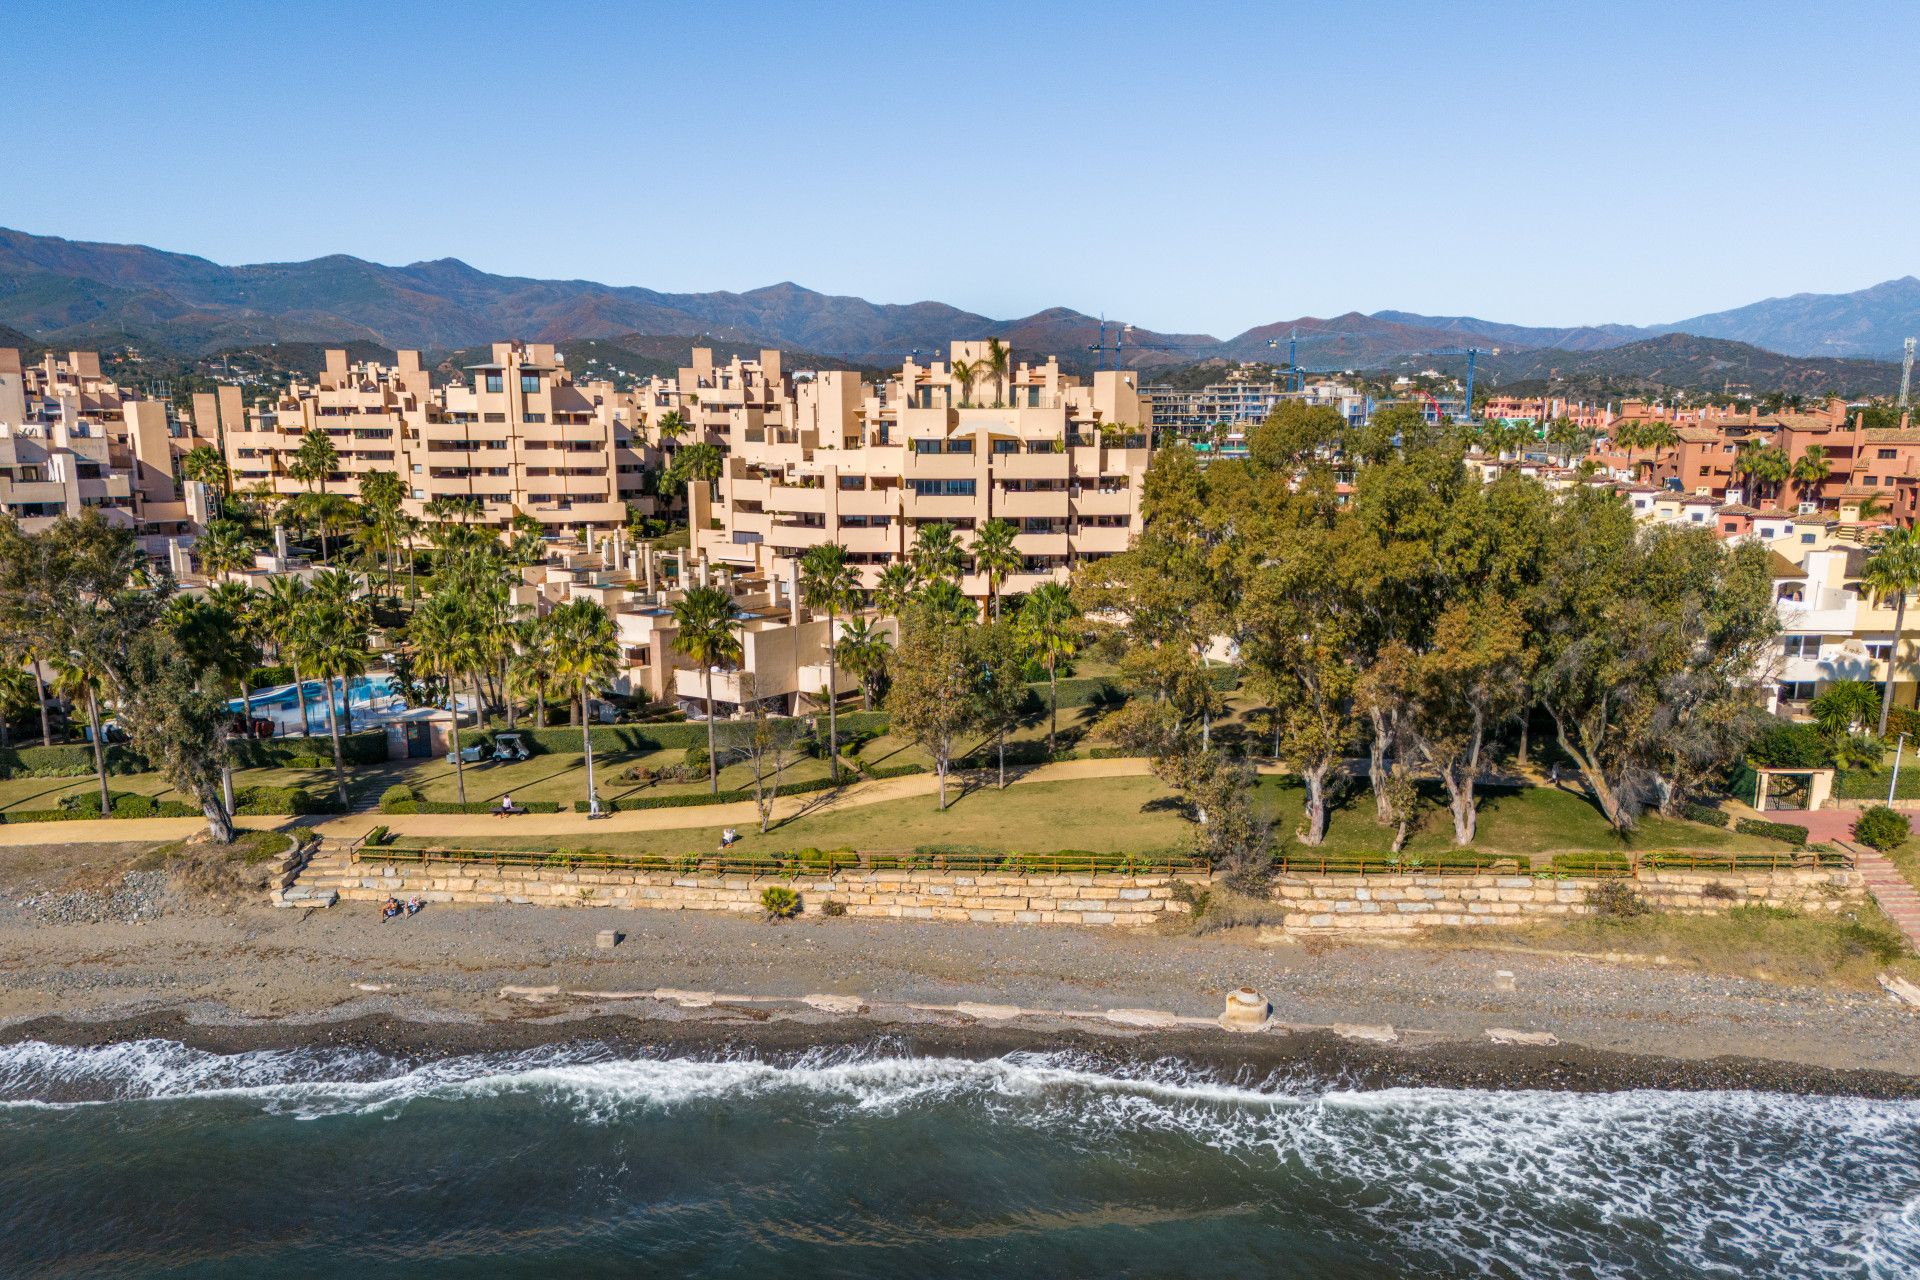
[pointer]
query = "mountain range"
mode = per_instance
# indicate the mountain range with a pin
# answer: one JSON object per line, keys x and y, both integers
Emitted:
{"x": 72, "y": 293}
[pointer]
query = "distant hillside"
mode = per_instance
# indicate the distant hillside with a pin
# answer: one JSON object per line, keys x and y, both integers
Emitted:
{"x": 1680, "y": 362}
{"x": 75, "y": 294}
{"x": 1871, "y": 322}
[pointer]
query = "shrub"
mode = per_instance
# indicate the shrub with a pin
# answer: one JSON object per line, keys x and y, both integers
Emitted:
{"x": 1617, "y": 899}
{"x": 1711, "y": 815}
{"x": 1786, "y": 745}
{"x": 696, "y": 757}
{"x": 833, "y": 907}
{"x": 472, "y": 806}
{"x": 260, "y": 801}
{"x": 397, "y": 794}
{"x": 1787, "y": 831}
{"x": 1881, "y": 828}
{"x": 779, "y": 903}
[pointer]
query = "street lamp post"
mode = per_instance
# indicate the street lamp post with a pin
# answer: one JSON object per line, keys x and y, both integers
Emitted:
{"x": 1898, "y": 747}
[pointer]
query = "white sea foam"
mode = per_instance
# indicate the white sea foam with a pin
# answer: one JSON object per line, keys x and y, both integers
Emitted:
{"x": 1711, "y": 1182}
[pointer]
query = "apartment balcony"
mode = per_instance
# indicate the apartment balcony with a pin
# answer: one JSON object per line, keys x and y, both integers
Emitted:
{"x": 1826, "y": 611}
{"x": 870, "y": 541}
{"x": 1029, "y": 466}
{"x": 1013, "y": 504}
{"x": 797, "y": 499}
{"x": 915, "y": 507}
{"x": 784, "y": 537}
{"x": 744, "y": 489}
{"x": 25, "y": 492}
{"x": 1041, "y": 544}
{"x": 942, "y": 466}
{"x": 1109, "y": 502}
{"x": 869, "y": 502}
{"x": 565, "y": 433}
{"x": 595, "y": 513}
{"x": 1101, "y": 541}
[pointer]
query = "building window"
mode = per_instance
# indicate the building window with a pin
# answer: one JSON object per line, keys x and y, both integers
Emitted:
{"x": 1801, "y": 646}
{"x": 1806, "y": 539}
{"x": 496, "y": 382}
{"x": 1887, "y": 455}
{"x": 926, "y": 446}
{"x": 1796, "y": 690}
{"x": 1879, "y": 650}
{"x": 530, "y": 383}
{"x": 943, "y": 488}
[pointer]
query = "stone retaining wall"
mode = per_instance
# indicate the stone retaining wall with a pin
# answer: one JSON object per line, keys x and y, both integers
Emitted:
{"x": 908, "y": 895}
{"x": 1312, "y": 902}
{"x": 1415, "y": 901}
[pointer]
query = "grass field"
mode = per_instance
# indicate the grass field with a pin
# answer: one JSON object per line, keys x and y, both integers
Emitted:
{"x": 1139, "y": 814}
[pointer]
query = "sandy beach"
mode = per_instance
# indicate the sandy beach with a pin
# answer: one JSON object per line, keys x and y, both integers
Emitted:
{"x": 155, "y": 959}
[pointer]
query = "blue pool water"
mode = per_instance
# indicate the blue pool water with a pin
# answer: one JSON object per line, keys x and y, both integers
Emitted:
{"x": 364, "y": 693}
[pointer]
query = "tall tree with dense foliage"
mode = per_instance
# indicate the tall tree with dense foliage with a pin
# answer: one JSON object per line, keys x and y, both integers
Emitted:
{"x": 315, "y": 460}
{"x": 1051, "y": 623}
{"x": 443, "y": 649}
{"x": 830, "y": 585}
{"x": 935, "y": 554}
{"x": 1892, "y": 572}
{"x": 709, "y": 634}
{"x": 1000, "y": 656}
{"x": 995, "y": 558}
{"x": 381, "y": 494}
{"x": 864, "y": 649}
{"x": 586, "y": 654}
{"x": 931, "y": 702}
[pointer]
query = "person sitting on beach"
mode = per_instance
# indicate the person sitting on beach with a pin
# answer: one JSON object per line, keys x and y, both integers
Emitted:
{"x": 414, "y": 905}
{"x": 389, "y": 910}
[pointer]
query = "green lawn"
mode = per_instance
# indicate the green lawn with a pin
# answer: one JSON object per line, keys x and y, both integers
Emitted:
{"x": 1137, "y": 814}
{"x": 45, "y": 793}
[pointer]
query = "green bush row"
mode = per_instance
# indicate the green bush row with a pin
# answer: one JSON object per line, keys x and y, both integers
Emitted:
{"x": 124, "y": 806}
{"x": 472, "y": 806}
{"x": 1871, "y": 784}
{"x": 1787, "y": 831}
{"x": 635, "y": 739}
{"x": 68, "y": 760}
{"x": 1706, "y": 813}
{"x": 293, "y": 801}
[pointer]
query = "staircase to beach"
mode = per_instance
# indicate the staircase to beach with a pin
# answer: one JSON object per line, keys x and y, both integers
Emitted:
{"x": 1893, "y": 891}
{"x": 329, "y": 875}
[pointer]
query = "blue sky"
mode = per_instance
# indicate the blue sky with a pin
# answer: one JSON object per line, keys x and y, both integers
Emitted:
{"x": 1190, "y": 167}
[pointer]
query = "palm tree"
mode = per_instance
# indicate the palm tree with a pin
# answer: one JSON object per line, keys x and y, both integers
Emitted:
{"x": 1050, "y": 621}
{"x": 671, "y": 427}
{"x": 935, "y": 553}
{"x": 381, "y": 493}
{"x": 226, "y": 547}
{"x": 16, "y": 695}
{"x": 942, "y": 600}
{"x": 998, "y": 363}
{"x": 533, "y": 672}
{"x": 585, "y": 653}
{"x": 1655, "y": 436}
{"x": 74, "y": 682}
{"x": 708, "y": 634}
{"x": 22, "y": 654}
{"x": 863, "y": 650}
{"x": 280, "y": 610}
{"x": 994, "y": 557}
{"x": 330, "y": 513}
{"x": 964, "y": 373}
{"x": 334, "y": 642}
{"x": 895, "y": 588}
{"x": 443, "y": 650}
{"x": 239, "y": 608}
{"x": 828, "y": 583}
{"x": 1893, "y": 571}
{"x": 1811, "y": 468}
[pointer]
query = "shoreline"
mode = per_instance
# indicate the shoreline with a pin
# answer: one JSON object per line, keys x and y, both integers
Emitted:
{"x": 1316, "y": 1055}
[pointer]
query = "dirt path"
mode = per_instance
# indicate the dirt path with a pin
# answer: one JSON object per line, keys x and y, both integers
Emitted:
{"x": 557, "y": 824}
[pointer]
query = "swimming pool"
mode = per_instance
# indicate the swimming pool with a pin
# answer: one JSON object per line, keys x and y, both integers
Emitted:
{"x": 366, "y": 696}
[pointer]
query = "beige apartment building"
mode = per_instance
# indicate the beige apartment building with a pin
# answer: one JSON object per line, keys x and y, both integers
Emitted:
{"x": 71, "y": 438}
{"x": 518, "y": 434}
{"x": 866, "y": 465}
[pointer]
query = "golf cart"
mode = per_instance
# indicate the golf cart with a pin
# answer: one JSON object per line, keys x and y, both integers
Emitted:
{"x": 508, "y": 747}
{"x": 469, "y": 755}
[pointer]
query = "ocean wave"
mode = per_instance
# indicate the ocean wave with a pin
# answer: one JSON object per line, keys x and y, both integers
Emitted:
{"x": 1711, "y": 1181}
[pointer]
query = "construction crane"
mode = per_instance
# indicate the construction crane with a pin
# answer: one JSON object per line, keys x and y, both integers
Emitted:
{"x": 1471, "y": 353}
{"x": 1101, "y": 349}
{"x": 1297, "y": 372}
{"x": 1906, "y": 375}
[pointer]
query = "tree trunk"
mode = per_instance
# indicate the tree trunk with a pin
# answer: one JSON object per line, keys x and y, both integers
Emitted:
{"x": 713, "y": 761}
{"x": 586, "y": 749}
{"x": 833, "y": 703}
{"x": 1315, "y": 817}
{"x": 1378, "y": 767}
{"x": 1526, "y": 722}
{"x": 333, "y": 732}
{"x": 219, "y": 823}
{"x": 300, "y": 691}
{"x": 40, "y": 690}
{"x": 939, "y": 768}
{"x": 1002, "y": 736}
{"x": 99, "y": 751}
{"x": 1459, "y": 783}
{"x": 540, "y": 706}
{"x": 1893, "y": 657}
{"x": 1053, "y": 700}
{"x": 1603, "y": 794}
{"x": 346, "y": 703}
{"x": 459, "y": 765}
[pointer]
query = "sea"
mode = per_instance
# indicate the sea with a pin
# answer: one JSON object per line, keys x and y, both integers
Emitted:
{"x": 150, "y": 1158}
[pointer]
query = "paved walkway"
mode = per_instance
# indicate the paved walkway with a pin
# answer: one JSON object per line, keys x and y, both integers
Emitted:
{"x": 740, "y": 814}
{"x": 1892, "y": 890}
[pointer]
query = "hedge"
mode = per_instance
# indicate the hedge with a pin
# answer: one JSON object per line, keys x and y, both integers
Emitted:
{"x": 1871, "y": 784}
{"x": 1787, "y": 831}
{"x": 1707, "y": 814}
{"x": 368, "y": 746}
{"x": 124, "y": 806}
{"x": 69, "y": 760}
{"x": 293, "y": 801}
{"x": 696, "y": 799}
{"x": 473, "y": 806}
